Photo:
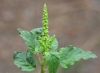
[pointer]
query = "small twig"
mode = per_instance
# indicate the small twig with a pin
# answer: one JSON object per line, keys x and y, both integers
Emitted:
{"x": 38, "y": 57}
{"x": 37, "y": 70}
{"x": 46, "y": 69}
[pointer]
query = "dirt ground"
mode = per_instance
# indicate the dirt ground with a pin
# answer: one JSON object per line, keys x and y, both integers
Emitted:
{"x": 74, "y": 22}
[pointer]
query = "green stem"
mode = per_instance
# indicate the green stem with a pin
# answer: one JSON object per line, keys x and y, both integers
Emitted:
{"x": 42, "y": 64}
{"x": 42, "y": 69}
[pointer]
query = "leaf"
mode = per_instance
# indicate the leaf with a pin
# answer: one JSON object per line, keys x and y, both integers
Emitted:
{"x": 54, "y": 44}
{"x": 52, "y": 61}
{"x": 30, "y": 38}
{"x": 24, "y": 61}
{"x": 70, "y": 54}
{"x": 37, "y": 32}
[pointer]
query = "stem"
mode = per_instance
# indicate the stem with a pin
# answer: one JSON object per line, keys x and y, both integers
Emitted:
{"x": 42, "y": 68}
{"x": 42, "y": 64}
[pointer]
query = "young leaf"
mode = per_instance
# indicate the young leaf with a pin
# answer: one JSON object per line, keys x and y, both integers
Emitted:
{"x": 70, "y": 54}
{"x": 30, "y": 38}
{"x": 52, "y": 61}
{"x": 24, "y": 61}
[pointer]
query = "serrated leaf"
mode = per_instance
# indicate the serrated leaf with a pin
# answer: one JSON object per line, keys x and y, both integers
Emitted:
{"x": 70, "y": 54}
{"x": 52, "y": 61}
{"x": 54, "y": 44}
{"x": 24, "y": 61}
{"x": 30, "y": 38}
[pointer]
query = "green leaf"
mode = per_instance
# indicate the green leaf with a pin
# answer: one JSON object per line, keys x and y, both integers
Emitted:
{"x": 52, "y": 61}
{"x": 70, "y": 54}
{"x": 54, "y": 44}
{"x": 37, "y": 32}
{"x": 24, "y": 61}
{"x": 30, "y": 38}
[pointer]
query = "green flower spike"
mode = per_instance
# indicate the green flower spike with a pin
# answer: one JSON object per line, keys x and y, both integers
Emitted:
{"x": 45, "y": 21}
{"x": 45, "y": 36}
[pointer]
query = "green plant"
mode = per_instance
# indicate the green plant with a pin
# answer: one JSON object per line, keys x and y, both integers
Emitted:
{"x": 38, "y": 41}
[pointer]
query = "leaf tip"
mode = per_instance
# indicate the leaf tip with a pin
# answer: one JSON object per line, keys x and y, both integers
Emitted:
{"x": 19, "y": 30}
{"x": 94, "y": 56}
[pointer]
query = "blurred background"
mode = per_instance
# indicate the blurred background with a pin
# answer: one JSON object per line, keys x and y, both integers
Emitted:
{"x": 74, "y": 22}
